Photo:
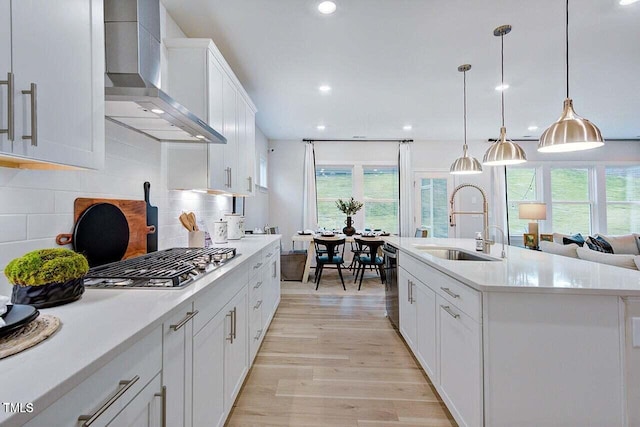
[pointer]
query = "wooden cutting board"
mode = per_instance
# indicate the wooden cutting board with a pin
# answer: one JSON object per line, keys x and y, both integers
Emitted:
{"x": 136, "y": 213}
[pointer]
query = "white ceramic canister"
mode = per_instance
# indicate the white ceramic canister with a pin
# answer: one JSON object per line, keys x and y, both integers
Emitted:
{"x": 220, "y": 231}
{"x": 234, "y": 226}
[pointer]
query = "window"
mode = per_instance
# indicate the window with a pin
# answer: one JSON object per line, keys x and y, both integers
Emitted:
{"x": 381, "y": 195}
{"x": 332, "y": 183}
{"x": 570, "y": 199}
{"x": 262, "y": 175}
{"x": 623, "y": 199}
{"x": 432, "y": 194}
{"x": 521, "y": 187}
{"x": 375, "y": 186}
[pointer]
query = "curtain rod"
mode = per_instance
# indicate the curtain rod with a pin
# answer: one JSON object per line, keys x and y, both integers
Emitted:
{"x": 357, "y": 140}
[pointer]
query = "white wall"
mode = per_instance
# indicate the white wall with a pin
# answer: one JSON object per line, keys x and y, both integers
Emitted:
{"x": 287, "y": 162}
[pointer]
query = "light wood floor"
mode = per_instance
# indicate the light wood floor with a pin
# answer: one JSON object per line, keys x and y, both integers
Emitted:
{"x": 331, "y": 358}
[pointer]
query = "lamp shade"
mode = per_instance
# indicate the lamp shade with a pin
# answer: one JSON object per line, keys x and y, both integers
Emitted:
{"x": 504, "y": 152}
{"x": 532, "y": 211}
{"x": 570, "y": 133}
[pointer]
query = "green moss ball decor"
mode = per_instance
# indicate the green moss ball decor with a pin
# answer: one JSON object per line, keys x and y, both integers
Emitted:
{"x": 47, "y": 277}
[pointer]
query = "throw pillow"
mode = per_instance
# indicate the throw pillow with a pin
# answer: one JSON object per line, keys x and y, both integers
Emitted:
{"x": 575, "y": 238}
{"x": 559, "y": 249}
{"x": 623, "y": 244}
{"x": 626, "y": 261}
{"x": 598, "y": 244}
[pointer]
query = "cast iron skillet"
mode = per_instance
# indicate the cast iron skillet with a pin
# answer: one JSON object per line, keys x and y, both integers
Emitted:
{"x": 101, "y": 234}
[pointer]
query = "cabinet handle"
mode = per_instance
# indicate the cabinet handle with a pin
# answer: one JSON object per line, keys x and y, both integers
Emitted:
{"x": 163, "y": 396}
{"x": 230, "y": 337}
{"x": 126, "y": 385}
{"x": 275, "y": 272}
{"x": 250, "y": 184}
{"x": 230, "y": 182}
{"x": 34, "y": 114}
{"x": 412, "y": 286}
{"x": 447, "y": 290}
{"x": 257, "y": 337}
{"x": 448, "y": 310}
{"x": 409, "y": 291}
{"x": 257, "y": 285}
{"x": 258, "y": 265}
{"x": 258, "y": 304}
{"x": 190, "y": 315}
{"x": 10, "y": 107}
{"x": 235, "y": 322}
{"x": 269, "y": 254}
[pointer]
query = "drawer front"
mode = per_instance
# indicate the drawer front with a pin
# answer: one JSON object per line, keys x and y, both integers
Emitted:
{"x": 256, "y": 331}
{"x": 217, "y": 295}
{"x": 255, "y": 302}
{"x": 137, "y": 365}
{"x": 255, "y": 263}
{"x": 270, "y": 252}
{"x": 257, "y": 284}
{"x": 462, "y": 296}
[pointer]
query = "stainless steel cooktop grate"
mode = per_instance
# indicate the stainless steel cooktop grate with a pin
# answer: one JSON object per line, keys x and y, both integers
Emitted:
{"x": 168, "y": 268}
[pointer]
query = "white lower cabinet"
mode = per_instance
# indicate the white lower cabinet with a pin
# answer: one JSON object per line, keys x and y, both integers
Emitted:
{"x": 407, "y": 309}
{"x": 124, "y": 385}
{"x": 236, "y": 353}
{"x": 208, "y": 366}
{"x": 177, "y": 365}
{"x": 446, "y": 341}
{"x": 460, "y": 348}
{"x": 146, "y": 410}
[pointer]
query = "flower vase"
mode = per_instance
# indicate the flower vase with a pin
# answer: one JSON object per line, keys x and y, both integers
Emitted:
{"x": 349, "y": 230}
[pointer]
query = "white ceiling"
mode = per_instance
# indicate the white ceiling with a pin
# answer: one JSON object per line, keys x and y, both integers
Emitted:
{"x": 394, "y": 62}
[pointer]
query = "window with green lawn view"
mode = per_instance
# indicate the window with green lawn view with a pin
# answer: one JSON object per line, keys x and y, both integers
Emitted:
{"x": 623, "y": 199}
{"x": 571, "y": 201}
{"x": 521, "y": 187}
{"x": 375, "y": 186}
{"x": 332, "y": 183}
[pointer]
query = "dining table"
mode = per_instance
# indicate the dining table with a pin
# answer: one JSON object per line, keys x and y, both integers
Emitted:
{"x": 307, "y": 239}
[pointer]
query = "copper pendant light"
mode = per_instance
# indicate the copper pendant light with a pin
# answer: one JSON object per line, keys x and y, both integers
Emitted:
{"x": 465, "y": 165}
{"x": 503, "y": 151}
{"x": 570, "y": 132}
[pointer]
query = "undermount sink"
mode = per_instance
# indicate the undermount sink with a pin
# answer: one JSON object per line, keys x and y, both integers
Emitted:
{"x": 456, "y": 254}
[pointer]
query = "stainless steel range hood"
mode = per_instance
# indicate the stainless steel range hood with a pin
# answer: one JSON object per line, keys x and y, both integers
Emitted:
{"x": 132, "y": 37}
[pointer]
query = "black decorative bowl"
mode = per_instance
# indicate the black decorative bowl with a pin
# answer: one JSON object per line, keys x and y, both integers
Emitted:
{"x": 49, "y": 295}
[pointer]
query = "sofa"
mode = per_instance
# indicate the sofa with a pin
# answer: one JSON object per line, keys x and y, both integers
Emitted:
{"x": 626, "y": 250}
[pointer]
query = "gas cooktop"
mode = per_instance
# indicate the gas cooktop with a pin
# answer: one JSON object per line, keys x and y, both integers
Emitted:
{"x": 170, "y": 268}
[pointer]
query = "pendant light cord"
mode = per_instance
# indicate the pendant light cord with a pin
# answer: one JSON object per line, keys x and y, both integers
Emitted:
{"x": 502, "y": 70}
{"x": 567, "y": 45}
{"x": 465, "y": 108}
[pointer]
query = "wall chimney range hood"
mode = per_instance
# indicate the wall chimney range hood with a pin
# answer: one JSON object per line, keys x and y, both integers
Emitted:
{"x": 132, "y": 94}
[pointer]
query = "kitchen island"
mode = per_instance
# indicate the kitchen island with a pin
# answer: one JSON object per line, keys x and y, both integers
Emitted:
{"x": 533, "y": 339}
{"x": 155, "y": 343}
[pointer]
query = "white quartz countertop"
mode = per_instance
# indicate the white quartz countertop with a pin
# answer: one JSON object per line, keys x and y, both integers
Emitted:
{"x": 524, "y": 270}
{"x": 94, "y": 330}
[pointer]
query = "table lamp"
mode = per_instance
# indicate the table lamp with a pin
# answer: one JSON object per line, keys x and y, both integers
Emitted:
{"x": 533, "y": 211}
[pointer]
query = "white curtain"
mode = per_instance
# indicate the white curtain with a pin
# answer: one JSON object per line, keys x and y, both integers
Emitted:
{"x": 498, "y": 198}
{"x": 310, "y": 203}
{"x": 406, "y": 188}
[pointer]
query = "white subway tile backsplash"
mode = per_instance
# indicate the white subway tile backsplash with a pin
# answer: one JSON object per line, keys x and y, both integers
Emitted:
{"x": 35, "y": 206}
{"x": 41, "y": 226}
{"x": 13, "y": 227}
{"x": 25, "y": 200}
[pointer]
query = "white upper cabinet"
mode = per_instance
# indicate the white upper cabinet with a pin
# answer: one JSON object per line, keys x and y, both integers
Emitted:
{"x": 57, "y": 59}
{"x": 201, "y": 80}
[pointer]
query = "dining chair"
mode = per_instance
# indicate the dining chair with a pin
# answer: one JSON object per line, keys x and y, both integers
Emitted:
{"x": 329, "y": 251}
{"x": 369, "y": 257}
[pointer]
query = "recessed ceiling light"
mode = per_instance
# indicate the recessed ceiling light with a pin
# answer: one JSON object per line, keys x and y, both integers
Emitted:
{"x": 200, "y": 136}
{"x": 157, "y": 111}
{"x": 502, "y": 87}
{"x": 321, "y": 127}
{"x": 407, "y": 127}
{"x": 327, "y": 7}
{"x": 532, "y": 128}
{"x": 627, "y": 2}
{"x": 324, "y": 88}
